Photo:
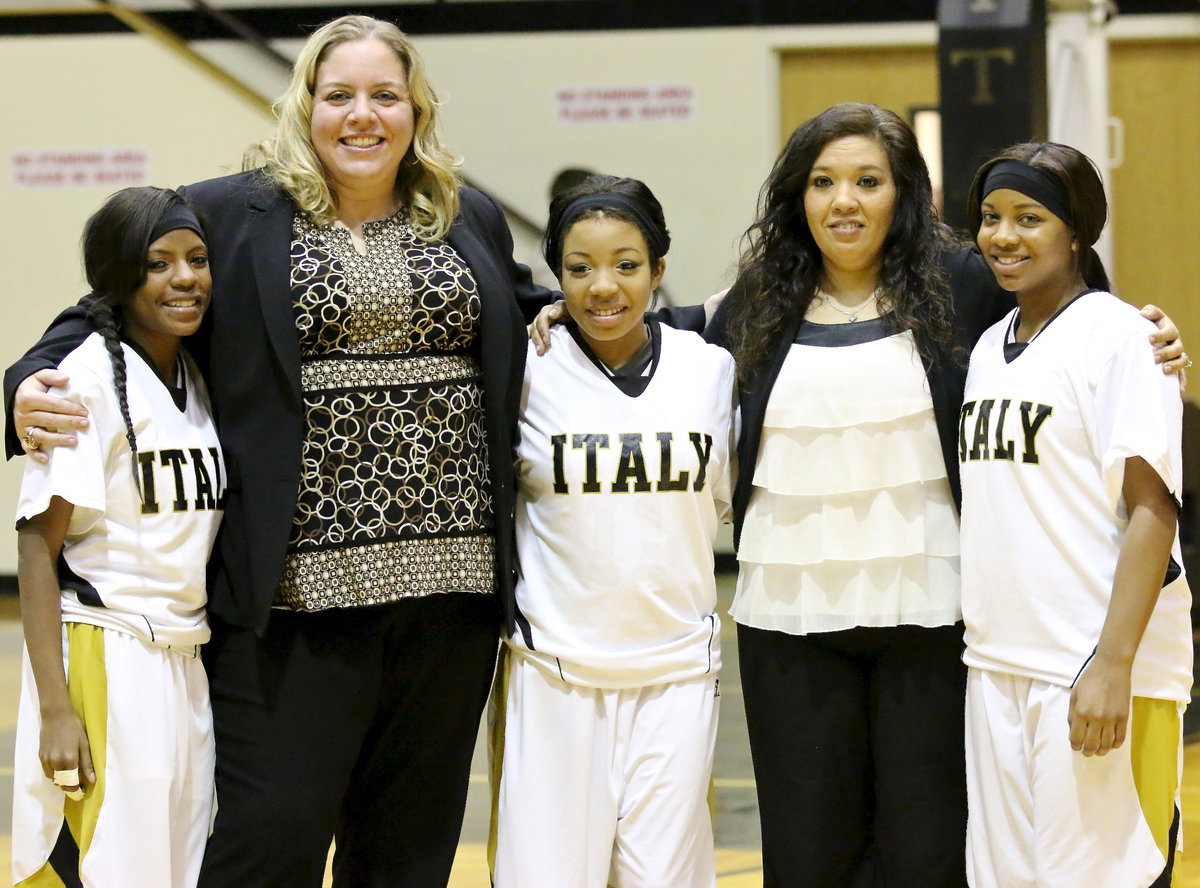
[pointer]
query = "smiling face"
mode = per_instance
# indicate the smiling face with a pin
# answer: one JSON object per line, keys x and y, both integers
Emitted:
{"x": 362, "y": 117}
{"x": 607, "y": 281}
{"x": 849, "y": 202}
{"x": 172, "y": 299}
{"x": 1029, "y": 249}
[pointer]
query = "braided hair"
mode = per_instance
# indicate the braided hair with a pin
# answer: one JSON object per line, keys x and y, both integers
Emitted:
{"x": 116, "y": 240}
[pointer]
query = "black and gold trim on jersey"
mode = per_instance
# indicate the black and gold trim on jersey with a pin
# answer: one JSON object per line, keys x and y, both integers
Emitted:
{"x": 635, "y": 374}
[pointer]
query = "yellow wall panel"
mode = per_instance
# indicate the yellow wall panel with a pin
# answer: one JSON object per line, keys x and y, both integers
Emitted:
{"x": 1155, "y": 92}
{"x": 897, "y": 78}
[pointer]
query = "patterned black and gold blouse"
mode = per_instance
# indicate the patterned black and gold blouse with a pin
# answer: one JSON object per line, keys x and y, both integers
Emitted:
{"x": 394, "y": 499}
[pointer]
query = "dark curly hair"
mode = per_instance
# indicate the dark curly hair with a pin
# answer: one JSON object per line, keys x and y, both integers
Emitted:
{"x": 1083, "y": 187}
{"x": 116, "y": 240}
{"x": 781, "y": 265}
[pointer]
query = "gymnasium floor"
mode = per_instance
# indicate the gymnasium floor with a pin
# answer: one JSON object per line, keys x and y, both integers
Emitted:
{"x": 738, "y": 862}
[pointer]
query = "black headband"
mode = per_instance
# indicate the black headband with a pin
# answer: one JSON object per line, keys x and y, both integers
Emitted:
{"x": 656, "y": 238}
{"x": 1032, "y": 182}
{"x": 177, "y": 216}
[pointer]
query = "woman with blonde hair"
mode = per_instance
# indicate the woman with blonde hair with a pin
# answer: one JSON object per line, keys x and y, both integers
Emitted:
{"x": 364, "y": 351}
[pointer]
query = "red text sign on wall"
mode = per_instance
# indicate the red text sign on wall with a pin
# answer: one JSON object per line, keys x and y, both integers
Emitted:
{"x": 625, "y": 104}
{"x": 81, "y": 168}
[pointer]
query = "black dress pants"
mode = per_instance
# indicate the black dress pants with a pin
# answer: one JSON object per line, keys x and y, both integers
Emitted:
{"x": 354, "y": 724}
{"x": 857, "y": 743}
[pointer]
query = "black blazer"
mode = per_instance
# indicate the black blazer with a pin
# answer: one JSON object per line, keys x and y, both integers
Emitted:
{"x": 977, "y": 301}
{"x": 249, "y": 350}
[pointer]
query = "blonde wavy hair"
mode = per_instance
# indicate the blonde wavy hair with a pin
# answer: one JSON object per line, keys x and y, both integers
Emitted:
{"x": 428, "y": 176}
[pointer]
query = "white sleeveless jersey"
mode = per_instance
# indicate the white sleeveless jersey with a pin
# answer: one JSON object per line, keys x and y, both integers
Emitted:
{"x": 1043, "y": 442}
{"x": 618, "y": 503}
{"x": 130, "y": 564}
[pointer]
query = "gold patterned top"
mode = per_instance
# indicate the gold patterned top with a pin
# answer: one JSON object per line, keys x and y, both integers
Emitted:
{"x": 394, "y": 499}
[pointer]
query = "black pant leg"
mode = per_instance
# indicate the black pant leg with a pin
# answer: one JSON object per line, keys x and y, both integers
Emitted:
{"x": 404, "y": 806}
{"x": 806, "y": 714}
{"x": 290, "y": 711}
{"x": 918, "y": 694}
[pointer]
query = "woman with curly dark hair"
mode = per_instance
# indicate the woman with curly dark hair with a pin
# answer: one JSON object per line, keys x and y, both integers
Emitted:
{"x": 851, "y": 354}
{"x": 897, "y": 258}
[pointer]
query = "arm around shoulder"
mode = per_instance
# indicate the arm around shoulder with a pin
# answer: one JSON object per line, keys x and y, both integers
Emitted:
{"x": 682, "y": 317}
{"x": 480, "y": 210}
{"x": 716, "y": 330}
{"x": 63, "y": 335}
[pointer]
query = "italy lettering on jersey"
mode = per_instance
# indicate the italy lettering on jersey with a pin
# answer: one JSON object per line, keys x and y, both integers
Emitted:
{"x": 137, "y": 546}
{"x": 630, "y": 474}
{"x": 619, "y": 498}
{"x": 206, "y": 493}
{"x": 1043, "y": 441}
{"x": 992, "y": 434}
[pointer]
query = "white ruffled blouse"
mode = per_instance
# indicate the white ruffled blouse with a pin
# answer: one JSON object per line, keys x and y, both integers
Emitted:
{"x": 851, "y": 521}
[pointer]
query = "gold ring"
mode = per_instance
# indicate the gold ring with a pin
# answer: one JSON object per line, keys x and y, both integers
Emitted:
{"x": 66, "y": 778}
{"x": 30, "y": 441}
{"x": 1187, "y": 362}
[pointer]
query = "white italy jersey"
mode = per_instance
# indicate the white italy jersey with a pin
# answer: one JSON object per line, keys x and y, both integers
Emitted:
{"x": 1043, "y": 442}
{"x": 618, "y": 504}
{"x": 134, "y": 566}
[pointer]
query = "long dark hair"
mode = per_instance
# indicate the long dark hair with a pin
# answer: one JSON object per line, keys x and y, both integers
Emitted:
{"x": 782, "y": 265}
{"x": 1083, "y": 187}
{"x": 647, "y": 217}
{"x": 116, "y": 240}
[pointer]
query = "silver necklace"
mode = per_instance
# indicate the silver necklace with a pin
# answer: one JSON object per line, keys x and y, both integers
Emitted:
{"x": 851, "y": 315}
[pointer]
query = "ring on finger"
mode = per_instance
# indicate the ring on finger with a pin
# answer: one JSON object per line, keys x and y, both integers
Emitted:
{"x": 1187, "y": 362}
{"x": 69, "y": 777}
{"x": 30, "y": 441}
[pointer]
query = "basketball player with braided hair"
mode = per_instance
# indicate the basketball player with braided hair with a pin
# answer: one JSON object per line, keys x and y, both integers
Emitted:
{"x": 113, "y": 781}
